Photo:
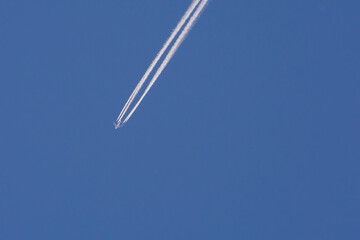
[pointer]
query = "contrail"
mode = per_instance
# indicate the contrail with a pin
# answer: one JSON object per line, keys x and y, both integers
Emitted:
{"x": 171, "y": 53}
{"x": 154, "y": 62}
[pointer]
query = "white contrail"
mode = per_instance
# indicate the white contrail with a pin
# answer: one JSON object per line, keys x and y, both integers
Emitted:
{"x": 171, "y": 53}
{"x": 154, "y": 62}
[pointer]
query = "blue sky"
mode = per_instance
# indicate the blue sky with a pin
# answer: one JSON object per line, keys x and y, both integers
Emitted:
{"x": 251, "y": 132}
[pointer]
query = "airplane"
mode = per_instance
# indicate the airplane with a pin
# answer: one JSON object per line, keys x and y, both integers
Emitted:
{"x": 117, "y": 125}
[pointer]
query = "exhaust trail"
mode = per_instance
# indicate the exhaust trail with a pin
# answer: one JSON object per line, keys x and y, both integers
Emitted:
{"x": 171, "y": 53}
{"x": 157, "y": 58}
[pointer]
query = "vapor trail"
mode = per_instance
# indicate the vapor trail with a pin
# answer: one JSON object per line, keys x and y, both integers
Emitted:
{"x": 171, "y": 53}
{"x": 157, "y": 58}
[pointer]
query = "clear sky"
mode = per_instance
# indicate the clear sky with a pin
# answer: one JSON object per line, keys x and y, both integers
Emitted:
{"x": 251, "y": 132}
